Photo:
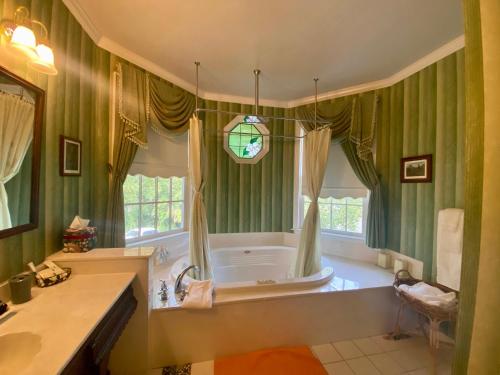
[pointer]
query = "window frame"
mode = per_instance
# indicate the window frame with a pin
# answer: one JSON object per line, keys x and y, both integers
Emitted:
{"x": 261, "y": 128}
{"x": 158, "y": 235}
{"x": 336, "y": 232}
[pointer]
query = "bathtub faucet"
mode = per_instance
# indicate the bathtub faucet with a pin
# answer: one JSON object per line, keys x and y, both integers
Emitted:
{"x": 178, "y": 281}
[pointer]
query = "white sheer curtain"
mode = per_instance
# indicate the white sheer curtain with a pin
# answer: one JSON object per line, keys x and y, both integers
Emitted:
{"x": 16, "y": 133}
{"x": 199, "y": 250}
{"x": 317, "y": 143}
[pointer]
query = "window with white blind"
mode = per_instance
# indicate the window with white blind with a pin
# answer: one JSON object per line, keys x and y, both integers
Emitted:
{"x": 153, "y": 206}
{"x": 155, "y": 188}
{"x": 343, "y": 202}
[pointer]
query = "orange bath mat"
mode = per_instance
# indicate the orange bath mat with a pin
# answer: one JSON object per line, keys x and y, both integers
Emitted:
{"x": 278, "y": 361}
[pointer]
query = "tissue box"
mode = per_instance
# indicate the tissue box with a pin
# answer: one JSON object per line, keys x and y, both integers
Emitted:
{"x": 79, "y": 240}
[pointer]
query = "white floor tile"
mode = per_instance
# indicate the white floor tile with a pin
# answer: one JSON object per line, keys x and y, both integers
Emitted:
{"x": 385, "y": 364}
{"x": 368, "y": 346}
{"x": 389, "y": 345}
{"x": 411, "y": 359}
{"x": 338, "y": 368}
{"x": 362, "y": 366}
{"x": 347, "y": 349}
{"x": 326, "y": 353}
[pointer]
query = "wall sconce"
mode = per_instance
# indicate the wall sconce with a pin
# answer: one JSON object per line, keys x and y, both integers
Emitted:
{"x": 22, "y": 39}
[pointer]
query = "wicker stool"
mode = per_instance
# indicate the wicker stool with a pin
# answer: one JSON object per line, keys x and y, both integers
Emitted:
{"x": 435, "y": 314}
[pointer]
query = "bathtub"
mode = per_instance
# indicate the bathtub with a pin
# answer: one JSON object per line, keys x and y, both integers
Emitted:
{"x": 256, "y": 268}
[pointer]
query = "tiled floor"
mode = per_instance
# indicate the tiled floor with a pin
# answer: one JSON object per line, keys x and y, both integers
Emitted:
{"x": 370, "y": 356}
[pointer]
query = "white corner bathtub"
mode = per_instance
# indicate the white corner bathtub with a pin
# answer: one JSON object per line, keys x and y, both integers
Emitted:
{"x": 256, "y": 268}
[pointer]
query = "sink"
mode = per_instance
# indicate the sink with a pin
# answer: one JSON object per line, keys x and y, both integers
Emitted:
{"x": 17, "y": 350}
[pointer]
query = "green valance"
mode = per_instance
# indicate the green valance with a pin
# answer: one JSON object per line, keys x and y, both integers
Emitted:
{"x": 346, "y": 121}
{"x": 133, "y": 94}
{"x": 145, "y": 100}
{"x": 170, "y": 106}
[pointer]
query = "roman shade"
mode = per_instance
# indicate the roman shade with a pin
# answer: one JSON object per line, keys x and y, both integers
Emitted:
{"x": 340, "y": 181}
{"x": 163, "y": 157}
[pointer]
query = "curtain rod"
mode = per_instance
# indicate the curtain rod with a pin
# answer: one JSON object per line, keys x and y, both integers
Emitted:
{"x": 324, "y": 122}
{"x": 256, "y": 72}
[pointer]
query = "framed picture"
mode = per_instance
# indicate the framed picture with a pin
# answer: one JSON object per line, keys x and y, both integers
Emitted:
{"x": 416, "y": 169}
{"x": 70, "y": 156}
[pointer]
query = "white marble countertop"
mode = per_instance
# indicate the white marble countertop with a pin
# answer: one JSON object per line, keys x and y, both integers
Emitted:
{"x": 104, "y": 254}
{"x": 58, "y": 320}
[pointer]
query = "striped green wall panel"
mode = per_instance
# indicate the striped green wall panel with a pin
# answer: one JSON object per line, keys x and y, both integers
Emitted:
{"x": 248, "y": 197}
{"x": 424, "y": 114}
{"x": 77, "y": 102}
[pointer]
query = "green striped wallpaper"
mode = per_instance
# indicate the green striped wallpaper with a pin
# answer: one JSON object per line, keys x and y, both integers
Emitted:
{"x": 424, "y": 114}
{"x": 248, "y": 197}
{"x": 77, "y": 106}
{"x": 474, "y": 174}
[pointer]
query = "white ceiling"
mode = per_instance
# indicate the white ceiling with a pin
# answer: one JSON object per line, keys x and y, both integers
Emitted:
{"x": 343, "y": 42}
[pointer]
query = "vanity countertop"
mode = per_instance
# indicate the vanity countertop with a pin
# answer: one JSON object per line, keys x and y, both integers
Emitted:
{"x": 104, "y": 254}
{"x": 58, "y": 320}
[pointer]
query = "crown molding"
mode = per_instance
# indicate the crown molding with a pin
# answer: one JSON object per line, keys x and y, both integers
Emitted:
{"x": 436, "y": 55}
{"x": 83, "y": 19}
{"x": 153, "y": 68}
{"x": 123, "y": 52}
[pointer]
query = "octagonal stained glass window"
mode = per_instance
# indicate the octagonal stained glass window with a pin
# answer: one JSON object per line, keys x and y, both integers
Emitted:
{"x": 246, "y": 139}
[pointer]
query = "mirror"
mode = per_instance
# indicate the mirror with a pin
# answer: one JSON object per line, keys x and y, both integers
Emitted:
{"x": 21, "y": 116}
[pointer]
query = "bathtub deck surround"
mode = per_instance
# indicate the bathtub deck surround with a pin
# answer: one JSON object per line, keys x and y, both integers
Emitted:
{"x": 347, "y": 275}
{"x": 246, "y": 325}
{"x": 47, "y": 331}
{"x": 265, "y": 269}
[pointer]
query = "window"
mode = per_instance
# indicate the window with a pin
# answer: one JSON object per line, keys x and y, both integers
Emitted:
{"x": 246, "y": 139}
{"x": 343, "y": 216}
{"x": 153, "y": 206}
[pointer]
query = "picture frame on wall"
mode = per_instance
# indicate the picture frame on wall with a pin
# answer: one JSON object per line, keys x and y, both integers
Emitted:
{"x": 70, "y": 156}
{"x": 416, "y": 169}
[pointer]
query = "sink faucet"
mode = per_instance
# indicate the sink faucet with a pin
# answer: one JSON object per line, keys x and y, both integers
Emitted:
{"x": 178, "y": 282}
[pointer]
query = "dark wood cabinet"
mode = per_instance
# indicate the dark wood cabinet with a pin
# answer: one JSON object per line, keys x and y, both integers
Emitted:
{"x": 93, "y": 356}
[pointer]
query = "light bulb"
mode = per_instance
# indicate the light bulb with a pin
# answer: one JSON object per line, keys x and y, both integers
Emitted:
{"x": 23, "y": 39}
{"x": 44, "y": 60}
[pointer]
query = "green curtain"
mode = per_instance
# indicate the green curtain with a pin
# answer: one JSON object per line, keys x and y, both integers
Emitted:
{"x": 171, "y": 107}
{"x": 424, "y": 114}
{"x": 133, "y": 96}
{"x": 338, "y": 112}
{"x": 147, "y": 100}
{"x": 248, "y": 197}
{"x": 124, "y": 150}
{"x": 353, "y": 124}
{"x": 77, "y": 105}
{"x": 365, "y": 171}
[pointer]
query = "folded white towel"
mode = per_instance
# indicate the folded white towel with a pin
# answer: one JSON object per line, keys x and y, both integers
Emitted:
{"x": 451, "y": 219}
{"x": 429, "y": 294}
{"x": 450, "y": 229}
{"x": 198, "y": 295}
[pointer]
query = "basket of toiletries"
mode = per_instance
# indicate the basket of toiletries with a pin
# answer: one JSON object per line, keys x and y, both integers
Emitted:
{"x": 52, "y": 274}
{"x": 79, "y": 237}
